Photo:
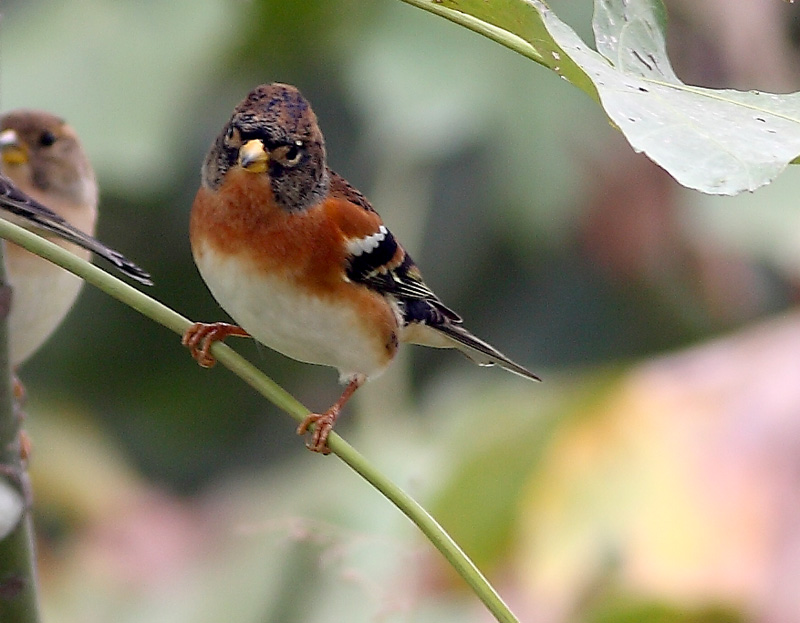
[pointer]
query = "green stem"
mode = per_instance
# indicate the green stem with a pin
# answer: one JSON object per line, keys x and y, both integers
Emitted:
{"x": 518, "y": 25}
{"x": 279, "y": 397}
{"x": 490, "y": 31}
{"x": 19, "y": 601}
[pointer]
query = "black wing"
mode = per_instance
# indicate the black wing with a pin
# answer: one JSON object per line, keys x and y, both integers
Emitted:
{"x": 420, "y": 306}
{"x": 34, "y": 213}
{"x": 380, "y": 263}
{"x": 388, "y": 269}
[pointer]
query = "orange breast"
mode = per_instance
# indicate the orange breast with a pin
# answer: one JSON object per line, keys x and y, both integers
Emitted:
{"x": 306, "y": 248}
{"x": 242, "y": 219}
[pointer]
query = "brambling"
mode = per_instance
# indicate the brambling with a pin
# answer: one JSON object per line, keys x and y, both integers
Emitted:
{"x": 48, "y": 186}
{"x": 301, "y": 260}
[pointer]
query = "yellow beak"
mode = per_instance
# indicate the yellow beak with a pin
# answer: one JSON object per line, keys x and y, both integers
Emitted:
{"x": 253, "y": 157}
{"x": 13, "y": 152}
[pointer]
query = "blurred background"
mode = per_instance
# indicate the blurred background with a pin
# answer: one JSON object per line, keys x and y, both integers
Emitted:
{"x": 653, "y": 476}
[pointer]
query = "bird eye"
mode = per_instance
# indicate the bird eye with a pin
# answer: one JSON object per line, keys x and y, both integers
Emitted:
{"x": 230, "y": 133}
{"x": 292, "y": 153}
{"x": 288, "y": 155}
{"x": 47, "y": 138}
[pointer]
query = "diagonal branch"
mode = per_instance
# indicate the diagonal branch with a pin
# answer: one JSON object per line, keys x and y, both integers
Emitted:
{"x": 165, "y": 316}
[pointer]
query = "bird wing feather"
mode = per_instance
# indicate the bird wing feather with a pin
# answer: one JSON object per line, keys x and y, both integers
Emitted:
{"x": 39, "y": 216}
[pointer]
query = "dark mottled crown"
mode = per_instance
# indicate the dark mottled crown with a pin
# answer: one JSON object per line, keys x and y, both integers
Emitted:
{"x": 280, "y": 109}
{"x": 276, "y": 114}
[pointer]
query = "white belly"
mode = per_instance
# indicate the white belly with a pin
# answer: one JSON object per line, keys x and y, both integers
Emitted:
{"x": 303, "y": 327}
{"x": 40, "y": 300}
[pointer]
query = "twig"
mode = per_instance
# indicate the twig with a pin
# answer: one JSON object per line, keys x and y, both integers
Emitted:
{"x": 279, "y": 397}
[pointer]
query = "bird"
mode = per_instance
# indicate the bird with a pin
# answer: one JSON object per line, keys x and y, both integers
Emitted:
{"x": 47, "y": 185}
{"x": 303, "y": 263}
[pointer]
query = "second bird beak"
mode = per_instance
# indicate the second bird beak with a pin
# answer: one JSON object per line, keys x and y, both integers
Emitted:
{"x": 253, "y": 157}
{"x": 12, "y": 150}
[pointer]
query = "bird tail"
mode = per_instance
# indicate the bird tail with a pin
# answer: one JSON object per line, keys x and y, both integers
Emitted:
{"x": 481, "y": 352}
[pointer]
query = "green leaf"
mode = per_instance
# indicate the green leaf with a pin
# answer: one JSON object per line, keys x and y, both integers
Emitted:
{"x": 519, "y": 25}
{"x": 719, "y": 141}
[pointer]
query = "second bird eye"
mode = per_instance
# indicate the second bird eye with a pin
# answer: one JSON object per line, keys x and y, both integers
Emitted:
{"x": 292, "y": 153}
{"x": 47, "y": 138}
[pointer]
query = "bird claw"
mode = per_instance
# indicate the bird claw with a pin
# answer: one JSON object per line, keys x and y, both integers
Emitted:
{"x": 323, "y": 425}
{"x": 198, "y": 339}
{"x": 18, "y": 389}
{"x": 323, "y": 422}
{"x": 201, "y": 336}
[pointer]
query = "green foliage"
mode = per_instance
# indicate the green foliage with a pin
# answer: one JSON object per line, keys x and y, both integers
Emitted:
{"x": 717, "y": 141}
{"x": 504, "y": 161}
{"x": 631, "y": 609}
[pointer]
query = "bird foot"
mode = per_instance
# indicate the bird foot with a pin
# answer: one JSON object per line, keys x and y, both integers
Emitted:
{"x": 25, "y": 446}
{"x": 18, "y": 390}
{"x": 323, "y": 422}
{"x": 20, "y": 397}
{"x": 323, "y": 425}
{"x": 201, "y": 335}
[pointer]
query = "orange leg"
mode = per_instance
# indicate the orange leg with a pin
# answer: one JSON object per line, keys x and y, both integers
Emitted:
{"x": 25, "y": 446}
{"x": 323, "y": 422}
{"x": 18, "y": 389}
{"x": 20, "y": 397}
{"x": 200, "y": 336}
{"x": 17, "y": 472}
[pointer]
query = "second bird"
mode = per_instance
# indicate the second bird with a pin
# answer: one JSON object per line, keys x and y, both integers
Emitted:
{"x": 41, "y": 156}
{"x": 301, "y": 260}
